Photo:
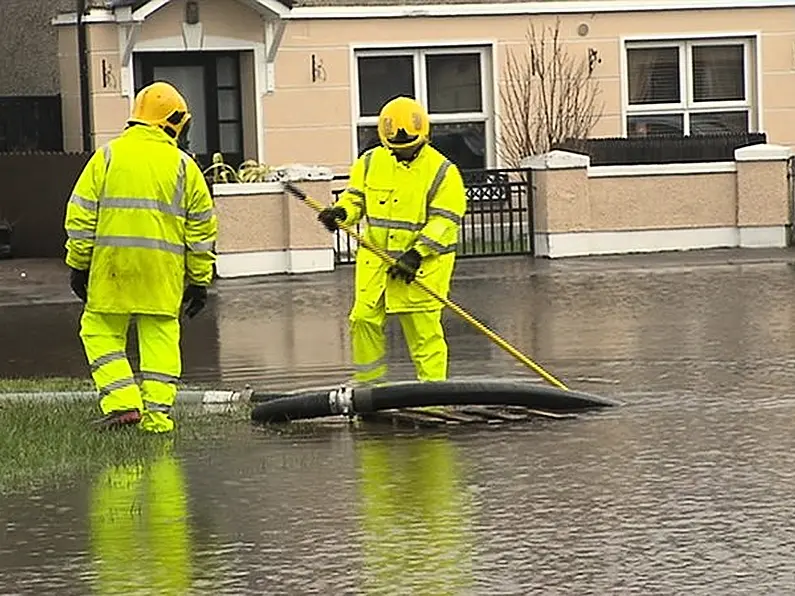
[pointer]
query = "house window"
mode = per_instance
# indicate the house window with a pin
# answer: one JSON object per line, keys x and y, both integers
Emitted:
{"x": 689, "y": 87}
{"x": 452, "y": 85}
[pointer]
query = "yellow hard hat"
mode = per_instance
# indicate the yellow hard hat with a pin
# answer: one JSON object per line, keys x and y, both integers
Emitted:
{"x": 403, "y": 124}
{"x": 160, "y": 104}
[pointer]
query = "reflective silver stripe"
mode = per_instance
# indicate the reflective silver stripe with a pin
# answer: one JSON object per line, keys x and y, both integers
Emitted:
{"x": 454, "y": 217}
{"x": 371, "y": 366}
{"x": 438, "y": 179}
{"x": 200, "y": 246}
{"x": 161, "y": 377}
{"x": 106, "y": 152}
{"x": 135, "y": 242}
{"x": 116, "y": 386}
{"x": 152, "y": 204}
{"x": 83, "y": 202}
{"x": 355, "y": 192}
{"x": 394, "y": 224}
{"x": 205, "y": 215}
{"x": 80, "y": 234}
{"x": 153, "y": 406}
{"x": 179, "y": 191}
{"x": 436, "y": 246}
{"x": 106, "y": 359}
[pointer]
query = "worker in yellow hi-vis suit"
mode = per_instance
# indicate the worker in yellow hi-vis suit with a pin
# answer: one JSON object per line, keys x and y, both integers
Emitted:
{"x": 412, "y": 199}
{"x": 416, "y": 517}
{"x": 141, "y": 231}
{"x": 139, "y": 529}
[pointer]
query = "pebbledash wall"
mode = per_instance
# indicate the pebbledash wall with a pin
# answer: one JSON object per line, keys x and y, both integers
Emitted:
{"x": 584, "y": 210}
{"x": 577, "y": 210}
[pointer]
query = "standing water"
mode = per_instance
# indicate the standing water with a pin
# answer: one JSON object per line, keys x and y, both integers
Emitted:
{"x": 687, "y": 489}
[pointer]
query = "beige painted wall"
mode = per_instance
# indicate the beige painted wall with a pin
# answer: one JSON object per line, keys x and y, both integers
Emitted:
{"x": 312, "y": 122}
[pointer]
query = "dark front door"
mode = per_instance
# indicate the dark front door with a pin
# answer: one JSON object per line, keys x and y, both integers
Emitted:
{"x": 210, "y": 83}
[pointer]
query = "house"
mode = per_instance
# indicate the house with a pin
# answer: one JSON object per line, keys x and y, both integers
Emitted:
{"x": 283, "y": 82}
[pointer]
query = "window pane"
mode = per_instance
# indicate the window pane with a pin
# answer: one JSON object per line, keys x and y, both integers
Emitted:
{"x": 718, "y": 73}
{"x": 462, "y": 143}
{"x": 382, "y": 78}
{"x": 719, "y": 122}
{"x": 367, "y": 138}
{"x": 454, "y": 83}
{"x": 226, "y": 75}
{"x": 228, "y": 104}
{"x": 661, "y": 124}
{"x": 653, "y": 75}
{"x": 189, "y": 80}
{"x": 230, "y": 137}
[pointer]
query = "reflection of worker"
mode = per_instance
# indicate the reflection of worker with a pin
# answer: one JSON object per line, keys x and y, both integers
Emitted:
{"x": 140, "y": 532}
{"x": 141, "y": 219}
{"x": 414, "y": 510}
{"x": 413, "y": 200}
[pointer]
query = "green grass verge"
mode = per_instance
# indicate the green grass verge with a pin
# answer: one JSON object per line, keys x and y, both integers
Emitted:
{"x": 46, "y": 384}
{"x": 46, "y": 442}
{"x": 56, "y": 384}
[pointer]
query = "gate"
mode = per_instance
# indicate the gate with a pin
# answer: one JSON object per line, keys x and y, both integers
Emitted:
{"x": 498, "y": 220}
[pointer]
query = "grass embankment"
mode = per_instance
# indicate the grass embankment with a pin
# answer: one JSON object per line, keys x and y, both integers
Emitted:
{"x": 51, "y": 384}
{"x": 46, "y": 442}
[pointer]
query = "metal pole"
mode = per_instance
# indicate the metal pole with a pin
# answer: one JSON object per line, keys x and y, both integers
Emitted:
{"x": 85, "y": 92}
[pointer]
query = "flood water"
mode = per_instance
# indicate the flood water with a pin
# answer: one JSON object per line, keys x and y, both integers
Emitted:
{"x": 686, "y": 489}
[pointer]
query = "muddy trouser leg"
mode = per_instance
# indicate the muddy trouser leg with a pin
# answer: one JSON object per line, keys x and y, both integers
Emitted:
{"x": 161, "y": 367}
{"x": 368, "y": 341}
{"x": 426, "y": 343}
{"x": 104, "y": 338}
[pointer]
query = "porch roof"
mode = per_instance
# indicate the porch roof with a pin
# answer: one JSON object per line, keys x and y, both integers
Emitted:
{"x": 325, "y": 9}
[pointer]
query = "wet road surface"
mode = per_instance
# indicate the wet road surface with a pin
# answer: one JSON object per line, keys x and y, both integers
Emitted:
{"x": 687, "y": 489}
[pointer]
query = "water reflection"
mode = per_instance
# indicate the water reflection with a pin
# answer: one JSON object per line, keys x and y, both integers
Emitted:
{"x": 416, "y": 516}
{"x": 139, "y": 528}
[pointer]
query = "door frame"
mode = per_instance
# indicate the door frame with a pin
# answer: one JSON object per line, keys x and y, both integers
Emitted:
{"x": 206, "y": 59}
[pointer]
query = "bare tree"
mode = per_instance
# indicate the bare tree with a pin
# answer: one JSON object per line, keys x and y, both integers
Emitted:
{"x": 548, "y": 96}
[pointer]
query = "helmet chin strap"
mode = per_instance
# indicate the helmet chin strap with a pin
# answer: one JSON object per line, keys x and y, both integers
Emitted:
{"x": 407, "y": 155}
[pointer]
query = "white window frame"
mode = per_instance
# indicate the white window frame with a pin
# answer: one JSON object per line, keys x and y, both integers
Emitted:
{"x": 752, "y": 58}
{"x": 418, "y": 52}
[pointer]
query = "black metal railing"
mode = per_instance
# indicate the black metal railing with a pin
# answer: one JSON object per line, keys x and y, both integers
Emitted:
{"x": 31, "y": 123}
{"x": 497, "y": 222}
{"x": 661, "y": 149}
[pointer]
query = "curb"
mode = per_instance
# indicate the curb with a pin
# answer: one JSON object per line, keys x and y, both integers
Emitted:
{"x": 183, "y": 397}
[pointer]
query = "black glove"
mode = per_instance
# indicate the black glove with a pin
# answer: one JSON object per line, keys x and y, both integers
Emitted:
{"x": 78, "y": 280}
{"x": 406, "y": 266}
{"x": 195, "y": 297}
{"x": 329, "y": 216}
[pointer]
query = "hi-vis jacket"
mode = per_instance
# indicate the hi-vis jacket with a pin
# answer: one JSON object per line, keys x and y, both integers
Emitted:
{"x": 142, "y": 220}
{"x": 417, "y": 205}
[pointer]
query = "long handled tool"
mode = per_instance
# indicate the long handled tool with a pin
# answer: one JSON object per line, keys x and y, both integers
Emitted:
{"x": 294, "y": 190}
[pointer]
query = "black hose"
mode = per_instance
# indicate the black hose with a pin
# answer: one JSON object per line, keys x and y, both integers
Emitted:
{"x": 326, "y": 402}
{"x": 481, "y": 393}
{"x": 296, "y": 407}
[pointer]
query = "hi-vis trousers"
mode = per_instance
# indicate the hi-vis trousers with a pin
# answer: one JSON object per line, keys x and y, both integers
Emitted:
{"x": 104, "y": 339}
{"x": 422, "y": 331}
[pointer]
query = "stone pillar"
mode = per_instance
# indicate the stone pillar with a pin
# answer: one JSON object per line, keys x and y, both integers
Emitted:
{"x": 109, "y": 108}
{"x": 763, "y": 196}
{"x": 561, "y": 203}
